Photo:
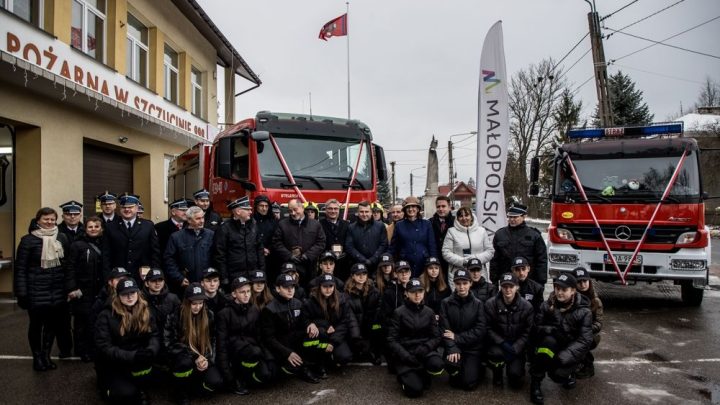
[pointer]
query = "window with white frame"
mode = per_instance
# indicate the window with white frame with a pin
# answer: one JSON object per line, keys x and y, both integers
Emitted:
{"x": 88, "y": 27}
{"x": 197, "y": 92}
{"x": 137, "y": 51}
{"x": 29, "y": 10}
{"x": 171, "y": 74}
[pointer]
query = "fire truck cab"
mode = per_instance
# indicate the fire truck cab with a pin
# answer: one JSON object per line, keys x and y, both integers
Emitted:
{"x": 628, "y": 205}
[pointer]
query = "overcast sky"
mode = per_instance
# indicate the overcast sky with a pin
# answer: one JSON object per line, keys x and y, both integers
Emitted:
{"x": 414, "y": 63}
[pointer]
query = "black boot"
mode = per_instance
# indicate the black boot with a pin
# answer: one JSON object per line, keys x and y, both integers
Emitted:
{"x": 239, "y": 388}
{"x": 570, "y": 383}
{"x": 536, "y": 394}
{"x": 498, "y": 376}
{"x": 48, "y": 339}
{"x": 38, "y": 361}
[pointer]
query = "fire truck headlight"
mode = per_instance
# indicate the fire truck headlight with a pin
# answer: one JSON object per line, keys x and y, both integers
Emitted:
{"x": 687, "y": 237}
{"x": 563, "y": 258}
{"x": 687, "y": 264}
{"x": 565, "y": 234}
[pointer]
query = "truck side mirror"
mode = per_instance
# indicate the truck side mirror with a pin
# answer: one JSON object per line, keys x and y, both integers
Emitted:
{"x": 534, "y": 169}
{"x": 223, "y": 157}
{"x": 382, "y": 174}
{"x": 260, "y": 136}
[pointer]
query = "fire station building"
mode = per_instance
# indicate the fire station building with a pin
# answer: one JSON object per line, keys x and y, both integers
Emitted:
{"x": 99, "y": 95}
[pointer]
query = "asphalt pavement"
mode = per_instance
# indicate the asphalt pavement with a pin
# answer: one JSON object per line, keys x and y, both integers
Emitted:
{"x": 654, "y": 350}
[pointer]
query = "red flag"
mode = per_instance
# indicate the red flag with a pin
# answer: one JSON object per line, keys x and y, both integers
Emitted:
{"x": 334, "y": 28}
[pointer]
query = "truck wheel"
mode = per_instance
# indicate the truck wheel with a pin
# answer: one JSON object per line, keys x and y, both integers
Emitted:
{"x": 691, "y": 296}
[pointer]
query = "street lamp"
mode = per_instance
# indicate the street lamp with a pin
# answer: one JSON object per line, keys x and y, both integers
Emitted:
{"x": 411, "y": 178}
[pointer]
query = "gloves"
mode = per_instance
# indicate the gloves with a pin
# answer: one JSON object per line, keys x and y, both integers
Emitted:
{"x": 304, "y": 258}
{"x": 508, "y": 351}
{"x": 144, "y": 356}
{"x": 296, "y": 259}
{"x": 23, "y": 302}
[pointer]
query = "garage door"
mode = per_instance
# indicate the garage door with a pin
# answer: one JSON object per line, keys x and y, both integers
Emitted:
{"x": 105, "y": 169}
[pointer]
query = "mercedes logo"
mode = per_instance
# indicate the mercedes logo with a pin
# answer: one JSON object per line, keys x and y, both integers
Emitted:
{"x": 623, "y": 232}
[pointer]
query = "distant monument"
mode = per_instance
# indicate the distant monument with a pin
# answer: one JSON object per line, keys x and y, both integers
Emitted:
{"x": 431, "y": 187}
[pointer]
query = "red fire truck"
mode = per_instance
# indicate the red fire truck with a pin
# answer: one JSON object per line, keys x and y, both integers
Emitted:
{"x": 628, "y": 205}
{"x": 283, "y": 156}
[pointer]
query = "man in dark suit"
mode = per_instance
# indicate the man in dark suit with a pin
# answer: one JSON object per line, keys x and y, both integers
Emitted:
{"x": 71, "y": 224}
{"x": 132, "y": 242}
{"x": 175, "y": 223}
{"x": 108, "y": 205}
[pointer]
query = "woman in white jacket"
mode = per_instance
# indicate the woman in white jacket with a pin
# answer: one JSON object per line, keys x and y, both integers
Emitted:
{"x": 466, "y": 240}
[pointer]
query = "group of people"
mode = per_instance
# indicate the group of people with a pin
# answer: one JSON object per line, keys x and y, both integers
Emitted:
{"x": 233, "y": 304}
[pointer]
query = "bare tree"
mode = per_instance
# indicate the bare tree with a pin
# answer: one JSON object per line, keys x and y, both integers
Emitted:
{"x": 709, "y": 93}
{"x": 534, "y": 96}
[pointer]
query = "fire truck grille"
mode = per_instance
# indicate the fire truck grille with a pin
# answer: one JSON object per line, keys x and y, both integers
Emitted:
{"x": 657, "y": 234}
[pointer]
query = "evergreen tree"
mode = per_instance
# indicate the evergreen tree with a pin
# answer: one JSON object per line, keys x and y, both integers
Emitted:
{"x": 566, "y": 115}
{"x": 384, "y": 194}
{"x": 628, "y": 106}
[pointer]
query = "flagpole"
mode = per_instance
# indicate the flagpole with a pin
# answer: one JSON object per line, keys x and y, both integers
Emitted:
{"x": 347, "y": 18}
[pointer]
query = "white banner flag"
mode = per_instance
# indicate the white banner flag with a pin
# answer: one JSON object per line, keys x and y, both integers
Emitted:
{"x": 493, "y": 132}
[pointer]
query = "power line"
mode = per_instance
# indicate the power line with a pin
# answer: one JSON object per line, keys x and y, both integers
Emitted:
{"x": 575, "y": 63}
{"x": 620, "y": 9}
{"x": 648, "y": 16}
{"x": 583, "y": 83}
{"x": 666, "y": 39}
{"x": 570, "y": 51}
{"x": 660, "y": 74}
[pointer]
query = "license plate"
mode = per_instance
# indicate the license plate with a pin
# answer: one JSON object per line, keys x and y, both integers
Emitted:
{"x": 623, "y": 259}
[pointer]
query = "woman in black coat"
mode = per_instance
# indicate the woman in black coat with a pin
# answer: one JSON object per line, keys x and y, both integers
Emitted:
{"x": 509, "y": 321}
{"x": 40, "y": 284}
{"x": 563, "y": 336}
{"x": 85, "y": 272}
{"x": 364, "y": 300}
{"x": 332, "y": 325}
{"x": 190, "y": 341}
{"x": 463, "y": 324}
{"x": 240, "y": 357}
{"x": 126, "y": 343}
{"x": 413, "y": 339}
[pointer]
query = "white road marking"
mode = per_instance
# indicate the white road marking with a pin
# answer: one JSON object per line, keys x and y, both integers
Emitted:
{"x": 653, "y": 395}
{"x": 319, "y": 395}
{"x": 632, "y": 362}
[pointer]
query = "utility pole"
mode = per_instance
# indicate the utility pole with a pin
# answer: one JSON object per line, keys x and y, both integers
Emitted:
{"x": 393, "y": 189}
{"x": 452, "y": 172}
{"x": 600, "y": 67}
{"x": 411, "y": 184}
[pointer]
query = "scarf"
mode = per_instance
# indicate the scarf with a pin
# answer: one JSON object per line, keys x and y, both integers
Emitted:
{"x": 52, "y": 250}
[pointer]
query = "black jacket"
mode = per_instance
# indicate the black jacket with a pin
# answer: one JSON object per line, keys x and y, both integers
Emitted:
{"x": 532, "y": 291}
{"x": 571, "y": 328}
{"x": 434, "y": 297}
{"x": 83, "y": 265}
{"x": 307, "y": 234}
{"x": 519, "y": 241}
{"x": 413, "y": 332}
{"x": 392, "y": 299}
{"x": 164, "y": 230}
{"x": 440, "y": 235}
{"x": 335, "y": 234}
{"x": 213, "y": 220}
{"x": 366, "y": 242}
{"x": 366, "y": 309}
{"x": 162, "y": 305}
{"x": 344, "y": 322}
{"x": 465, "y": 317}
{"x": 36, "y": 286}
{"x": 239, "y": 249}
{"x": 512, "y": 323}
{"x": 483, "y": 290}
{"x": 174, "y": 342}
{"x": 115, "y": 351}
{"x": 72, "y": 235}
{"x": 283, "y": 327}
{"x": 237, "y": 328}
{"x": 188, "y": 254}
{"x": 266, "y": 225}
{"x": 132, "y": 248}
{"x": 218, "y": 302}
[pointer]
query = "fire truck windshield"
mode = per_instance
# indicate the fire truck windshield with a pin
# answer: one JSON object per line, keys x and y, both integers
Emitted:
{"x": 315, "y": 162}
{"x": 641, "y": 179}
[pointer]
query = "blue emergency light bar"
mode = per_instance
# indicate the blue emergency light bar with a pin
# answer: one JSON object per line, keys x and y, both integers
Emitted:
{"x": 657, "y": 129}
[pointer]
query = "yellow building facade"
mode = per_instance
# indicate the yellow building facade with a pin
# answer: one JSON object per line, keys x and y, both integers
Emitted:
{"x": 99, "y": 95}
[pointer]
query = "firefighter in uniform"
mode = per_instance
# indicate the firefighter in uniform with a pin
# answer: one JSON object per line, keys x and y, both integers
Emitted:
{"x": 108, "y": 205}
{"x": 213, "y": 220}
{"x": 530, "y": 289}
{"x": 176, "y": 222}
{"x": 132, "y": 242}
{"x": 72, "y": 224}
{"x": 519, "y": 239}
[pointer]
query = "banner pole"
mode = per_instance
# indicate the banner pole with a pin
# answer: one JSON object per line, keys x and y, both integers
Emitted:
{"x": 347, "y": 37}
